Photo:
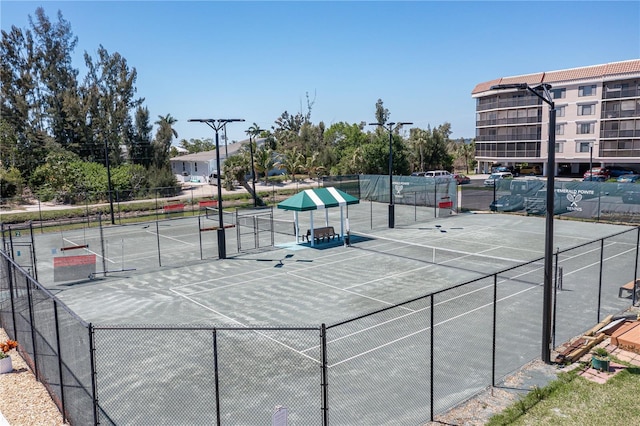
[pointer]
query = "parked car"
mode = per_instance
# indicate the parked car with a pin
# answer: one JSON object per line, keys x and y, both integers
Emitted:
{"x": 630, "y": 178}
{"x": 625, "y": 181}
{"x": 418, "y": 174}
{"x": 499, "y": 169}
{"x": 594, "y": 178}
{"x": 508, "y": 203}
{"x": 437, "y": 174}
{"x": 493, "y": 177}
{"x": 617, "y": 171}
{"x": 461, "y": 179}
{"x": 600, "y": 172}
{"x": 530, "y": 170}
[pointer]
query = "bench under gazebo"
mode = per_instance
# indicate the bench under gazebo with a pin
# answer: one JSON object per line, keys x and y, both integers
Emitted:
{"x": 318, "y": 199}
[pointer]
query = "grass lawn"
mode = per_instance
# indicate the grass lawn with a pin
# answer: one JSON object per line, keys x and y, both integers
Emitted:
{"x": 574, "y": 400}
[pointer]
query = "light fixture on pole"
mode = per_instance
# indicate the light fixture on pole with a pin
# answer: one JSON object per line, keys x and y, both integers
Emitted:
{"x": 253, "y": 131}
{"x": 217, "y": 124}
{"x": 591, "y": 160}
{"x": 389, "y": 127}
{"x": 546, "y": 97}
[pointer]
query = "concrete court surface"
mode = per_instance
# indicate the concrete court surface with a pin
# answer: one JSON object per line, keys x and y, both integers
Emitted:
{"x": 296, "y": 284}
{"x": 293, "y": 284}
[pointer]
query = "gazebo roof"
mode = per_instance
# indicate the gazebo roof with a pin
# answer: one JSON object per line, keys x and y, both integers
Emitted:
{"x": 317, "y": 198}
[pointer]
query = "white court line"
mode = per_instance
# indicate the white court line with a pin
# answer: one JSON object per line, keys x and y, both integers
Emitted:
{"x": 429, "y": 307}
{"x": 87, "y": 249}
{"x": 245, "y": 326}
{"x": 417, "y": 269}
{"x": 428, "y": 328}
{"x": 302, "y": 277}
{"x": 468, "y": 312}
{"x": 412, "y": 312}
{"x": 405, "y": 243}
{"x": 211, "y": 280}
{"x": 169, "y": 238}
{"x": 222, "y": 287}
{"x": 386, "y": 277}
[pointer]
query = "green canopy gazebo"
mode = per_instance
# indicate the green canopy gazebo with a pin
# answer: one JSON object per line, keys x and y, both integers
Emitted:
{"x": 318, "y": 199}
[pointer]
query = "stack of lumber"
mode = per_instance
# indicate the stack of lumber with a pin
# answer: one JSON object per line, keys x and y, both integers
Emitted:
{"x": 575, "y": 349}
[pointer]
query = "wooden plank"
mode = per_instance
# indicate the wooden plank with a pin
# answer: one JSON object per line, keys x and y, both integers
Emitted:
{"x": 598, "y": 326}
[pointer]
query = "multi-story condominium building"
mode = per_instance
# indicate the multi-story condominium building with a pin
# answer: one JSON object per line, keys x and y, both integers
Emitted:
{"x": 597, "y": 119}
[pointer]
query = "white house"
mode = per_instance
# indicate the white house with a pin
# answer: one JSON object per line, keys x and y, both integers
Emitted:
{"x": 198, "y": 167}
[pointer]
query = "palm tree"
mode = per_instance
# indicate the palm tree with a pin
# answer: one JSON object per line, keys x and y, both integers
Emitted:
{"x": 264, "y": 161}
{"x": 292, "y": 162}
{"x": 467, "y": 151}
{"x": 162, "y": 142}
{"x": 312, "y": 165}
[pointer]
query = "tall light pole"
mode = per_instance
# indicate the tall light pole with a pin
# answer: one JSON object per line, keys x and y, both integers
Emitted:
{"x": 546, "y": 97}
{"x": 389, "y": 127}
{"x": 109, "y": 185}
{"x": 251, "y": 131}
{"x": 226, "y": 141}
{"x": 217, "y": 124}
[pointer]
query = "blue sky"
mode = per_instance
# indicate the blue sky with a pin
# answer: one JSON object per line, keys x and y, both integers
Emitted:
{"x": 254, "y": 60}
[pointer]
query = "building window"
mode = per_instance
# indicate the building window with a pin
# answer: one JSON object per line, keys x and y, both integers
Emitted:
{"x": 583, "y": 146}
{"x": 183, "y": 167}
{"x": 559, "y": 146}
{"x": 587, "y": 109}
{"x": 587, "y": 90}
{"x": 585, "y": 128}
{"x": 558, "y": 93}
{"x": 560, "y": 111}
{"x": 560, "y": 129}
{"x": 195, "y": 167}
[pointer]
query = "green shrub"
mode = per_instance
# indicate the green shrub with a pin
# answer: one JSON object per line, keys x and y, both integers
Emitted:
{"x": 10, "y": 182}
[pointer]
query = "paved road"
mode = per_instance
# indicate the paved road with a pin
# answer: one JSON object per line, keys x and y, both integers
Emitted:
{"x": 195, "y": 190}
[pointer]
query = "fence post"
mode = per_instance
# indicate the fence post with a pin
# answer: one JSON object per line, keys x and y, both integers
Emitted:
{"x": 118, "y": 202}
{"x": 34, "y": 260}
{"x": 40, "y": 215}
{"x": 12, "y": 286}
{"x": 324, "y": 375}
{"x": 158, "y": 242}
{"x": 495, "y": 312}
{"x": 86, "y": 207}
{"x": 435, "y": 197}
{"x": 215, "y": 375}
{"x": 600, "y": 278}
{"x": 104, "y": 257}
{"x": 200, "y": 235}
{"x": 94, "y": 386}
{"x": 36, "y": 372}
{"x": 431, "y": 362}
{"x": 371, "y": 213}
{"x": 59, "y": 352}
{"x": 635, "y": 270}
{"x": 555, "y": 298}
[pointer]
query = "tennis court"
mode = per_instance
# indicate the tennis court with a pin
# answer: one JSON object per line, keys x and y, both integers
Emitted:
{"x": 379, "y": 365}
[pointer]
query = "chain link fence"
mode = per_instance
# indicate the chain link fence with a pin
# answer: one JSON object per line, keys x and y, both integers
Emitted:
{"x": 595, "y": 201}
{"x": 403, "y": 364}
{"x": 415, "y": 198}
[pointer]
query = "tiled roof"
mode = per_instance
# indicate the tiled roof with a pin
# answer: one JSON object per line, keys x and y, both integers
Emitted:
{"x": 595, "y": 71}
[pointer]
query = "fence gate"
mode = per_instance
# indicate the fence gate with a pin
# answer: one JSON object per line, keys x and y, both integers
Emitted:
{"x": 254, "y": 229}
{"x": 19, "y": 244}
